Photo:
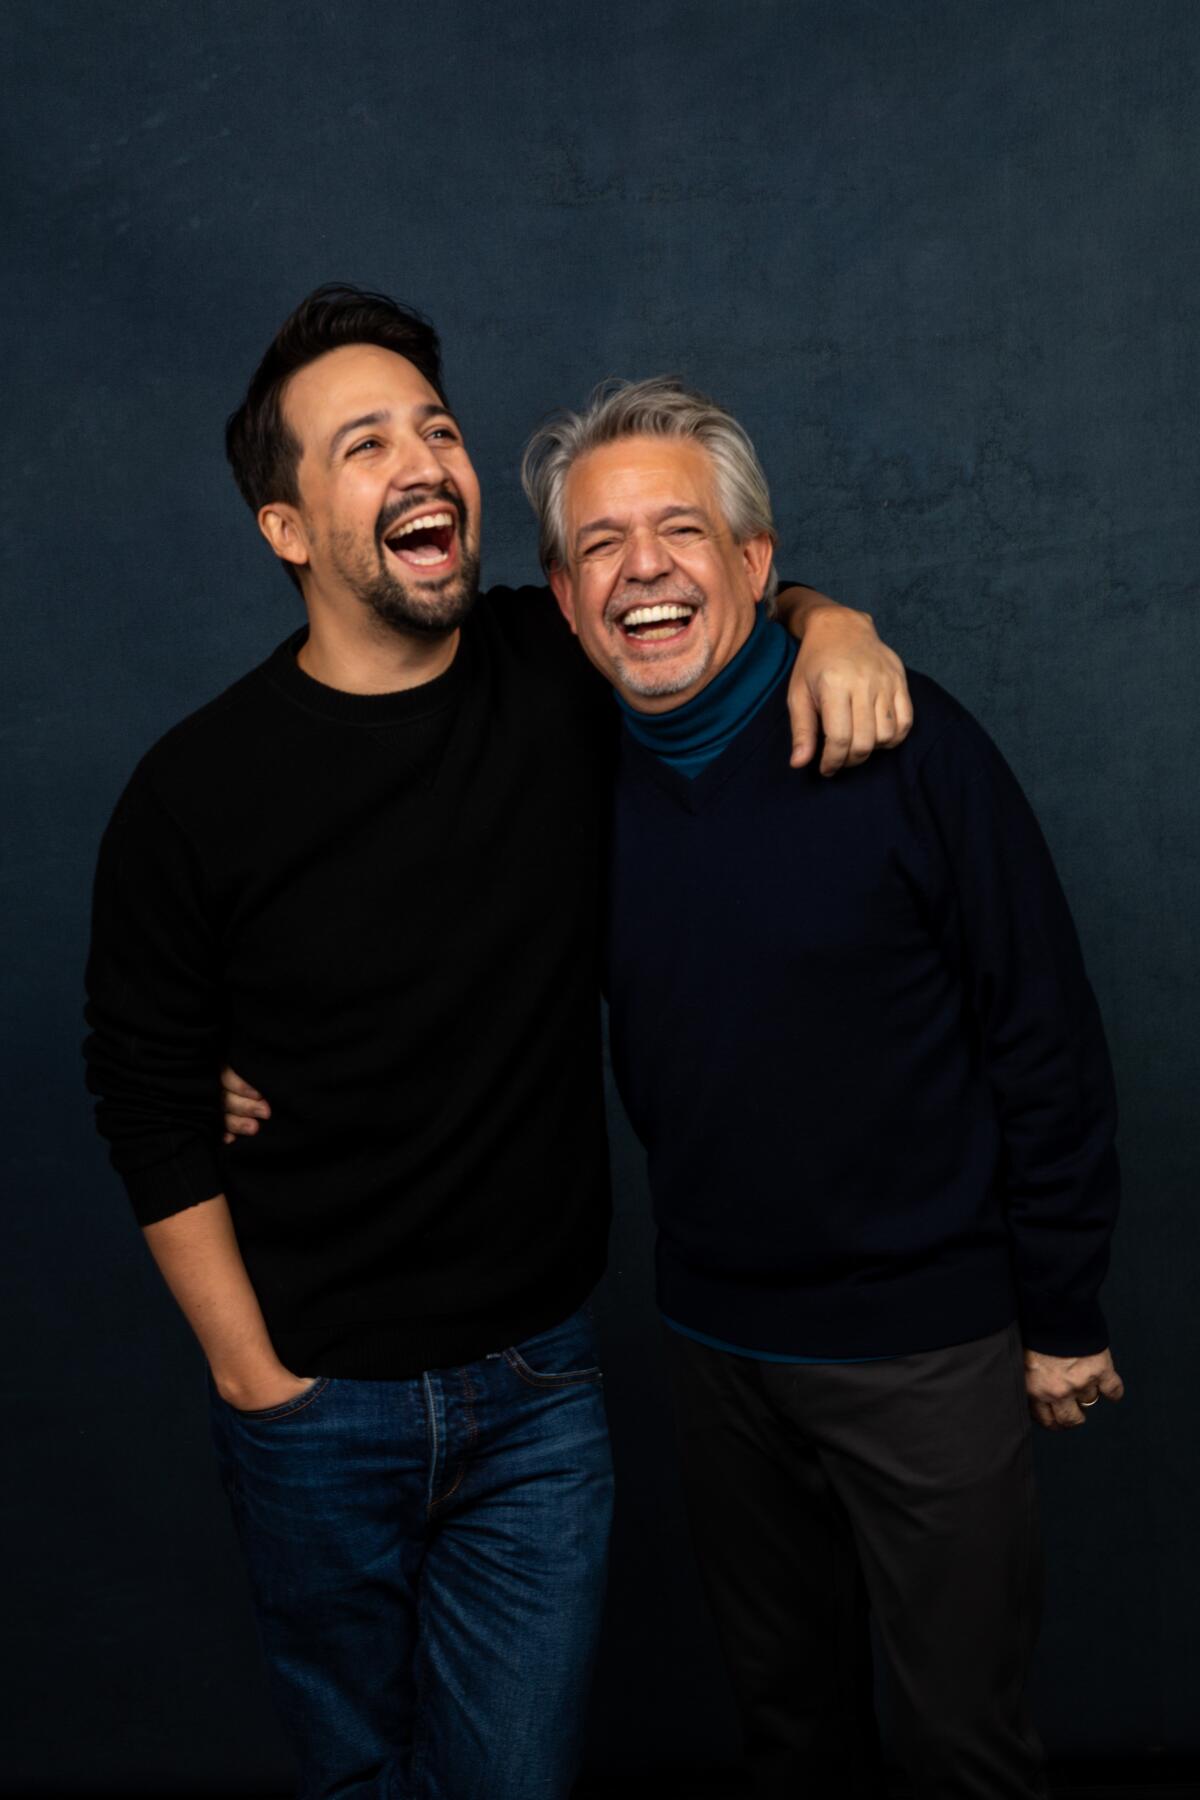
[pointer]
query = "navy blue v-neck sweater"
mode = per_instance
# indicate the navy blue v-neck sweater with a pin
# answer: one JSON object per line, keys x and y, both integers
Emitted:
{"x": 851, "y": 1025}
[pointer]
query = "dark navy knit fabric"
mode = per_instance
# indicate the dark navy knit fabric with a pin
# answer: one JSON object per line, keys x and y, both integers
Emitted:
{"x": 851, "y": 1025}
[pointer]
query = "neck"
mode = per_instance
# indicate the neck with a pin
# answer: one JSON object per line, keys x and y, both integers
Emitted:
{"x": 700, "y": 726}
{"x": 653, "y": 705}
{"x": 366, "y": 657}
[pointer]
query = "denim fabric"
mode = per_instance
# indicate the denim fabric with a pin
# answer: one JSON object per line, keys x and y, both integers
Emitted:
{"x": 427, "y": 1559}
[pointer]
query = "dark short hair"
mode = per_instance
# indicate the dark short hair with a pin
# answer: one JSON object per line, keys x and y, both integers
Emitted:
{"x": 262, "y": 450}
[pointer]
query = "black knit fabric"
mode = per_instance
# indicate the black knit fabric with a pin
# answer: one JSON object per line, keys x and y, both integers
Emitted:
{"x": 383, "y": 911}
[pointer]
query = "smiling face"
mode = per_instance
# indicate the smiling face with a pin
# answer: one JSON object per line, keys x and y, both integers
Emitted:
{"x": 656, "y": 589}
{"x": 388, "y": 517}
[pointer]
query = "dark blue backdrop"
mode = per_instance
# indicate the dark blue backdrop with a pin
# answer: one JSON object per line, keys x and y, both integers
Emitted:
{"x": 943, "y": 260}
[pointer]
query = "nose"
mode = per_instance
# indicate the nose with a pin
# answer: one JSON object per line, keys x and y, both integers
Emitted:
{"x": 646, "y": 556}
{"x": 416, "y": 464}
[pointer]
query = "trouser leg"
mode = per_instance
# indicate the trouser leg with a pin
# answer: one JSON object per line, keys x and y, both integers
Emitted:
{"x": 931, "y": 1457}
{"x": 512, "y": 1586}
{"x": 779, "y": 1567}
{"x": 327, "y": 1497}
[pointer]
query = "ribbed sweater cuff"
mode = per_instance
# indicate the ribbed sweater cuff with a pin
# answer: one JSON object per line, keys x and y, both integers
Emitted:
{"x": 186, "y": 1179}
{"x": 1077, "y": 1329}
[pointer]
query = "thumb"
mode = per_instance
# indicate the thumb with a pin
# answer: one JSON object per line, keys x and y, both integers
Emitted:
{"x": 805, "y": 721}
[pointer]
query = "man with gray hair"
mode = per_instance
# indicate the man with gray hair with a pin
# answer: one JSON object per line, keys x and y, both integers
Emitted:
{"x": 859, "y": 1301}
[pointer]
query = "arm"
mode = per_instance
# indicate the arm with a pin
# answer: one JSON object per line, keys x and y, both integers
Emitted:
{"x": 154, "y": 1009}
{"x": 198, "y": 1257}
{"x": 1046, "y": 1060}
{"x": 846, "y": 682}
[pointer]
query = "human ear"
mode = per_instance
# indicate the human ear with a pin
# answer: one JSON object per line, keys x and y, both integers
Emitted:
{"x": 563, "y": 590}
{"x": 284, "y": 531}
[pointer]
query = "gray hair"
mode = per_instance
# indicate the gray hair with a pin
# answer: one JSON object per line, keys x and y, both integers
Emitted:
{"x": 660, "y": 407}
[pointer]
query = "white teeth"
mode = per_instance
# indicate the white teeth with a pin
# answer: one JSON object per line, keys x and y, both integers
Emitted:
{"x": 651, "y": 615}
{"x": 427, "y": 522}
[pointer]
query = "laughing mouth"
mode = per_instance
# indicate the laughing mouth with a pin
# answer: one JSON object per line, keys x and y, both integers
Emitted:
{"x": 426, "y": 541}
{"x": 655, "y": 624}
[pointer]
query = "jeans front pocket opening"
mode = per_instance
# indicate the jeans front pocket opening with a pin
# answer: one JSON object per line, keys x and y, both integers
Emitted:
{"x": 552, "y": 1379}
{"x": 262, "y": 1415}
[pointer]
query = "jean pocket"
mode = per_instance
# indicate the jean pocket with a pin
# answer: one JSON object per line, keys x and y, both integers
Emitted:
{"x": 262, "y": 1414}
{"x": 561, "y": 1357}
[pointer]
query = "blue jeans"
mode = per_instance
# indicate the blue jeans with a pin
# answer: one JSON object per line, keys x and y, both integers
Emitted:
{"x": 427, "y": 1559}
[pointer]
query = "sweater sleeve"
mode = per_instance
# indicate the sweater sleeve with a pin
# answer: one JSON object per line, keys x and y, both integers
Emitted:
{"x": 1041, "y": 1038}
{"x": 153, "y": 1053}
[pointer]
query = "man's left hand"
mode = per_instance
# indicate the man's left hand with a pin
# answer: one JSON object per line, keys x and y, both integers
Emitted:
{"x": 847, "y": 684}
{"x": 1062, "y": 1389}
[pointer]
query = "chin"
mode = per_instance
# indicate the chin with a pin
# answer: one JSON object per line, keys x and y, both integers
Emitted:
{"x": 435, "y": 614}
{"x": 645, "y": 681}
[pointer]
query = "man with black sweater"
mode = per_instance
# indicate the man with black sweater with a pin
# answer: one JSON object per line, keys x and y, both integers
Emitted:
{"x": 392, "y": 927}
{"x": 864, "y": 1287}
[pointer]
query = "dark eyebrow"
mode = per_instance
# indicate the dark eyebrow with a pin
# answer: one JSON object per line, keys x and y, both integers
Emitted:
{"x": 430, "y": 410}
{"x": 343, "y": 431}
{"x": 668, "y": 512}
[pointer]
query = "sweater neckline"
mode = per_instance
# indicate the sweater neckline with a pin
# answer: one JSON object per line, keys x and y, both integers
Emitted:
{"x": 695, "y": 793}
{"x": 692, "y": 736}
{"x": 404, "y": 705}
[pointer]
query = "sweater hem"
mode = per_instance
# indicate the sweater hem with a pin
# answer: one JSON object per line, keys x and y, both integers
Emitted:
{"x": 398, "y": 1349}
{"x": 900, "y": 1315}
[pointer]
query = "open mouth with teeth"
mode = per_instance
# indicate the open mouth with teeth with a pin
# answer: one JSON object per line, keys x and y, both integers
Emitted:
{"x": 428, "y": 541}
{"x": 660, "y": 624}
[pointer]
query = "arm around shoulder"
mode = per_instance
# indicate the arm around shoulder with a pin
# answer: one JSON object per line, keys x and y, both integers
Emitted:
{"x": 847, "y": 685}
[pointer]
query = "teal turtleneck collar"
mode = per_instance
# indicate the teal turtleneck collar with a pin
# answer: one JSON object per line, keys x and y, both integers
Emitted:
{"x": 692, "y": 735}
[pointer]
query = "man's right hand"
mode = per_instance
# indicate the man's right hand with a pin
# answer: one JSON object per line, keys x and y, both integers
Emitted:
{"x": 243, "y": 1106}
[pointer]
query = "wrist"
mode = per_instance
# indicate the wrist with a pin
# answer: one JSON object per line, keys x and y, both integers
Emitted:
{"x": 240, "y": 1378}
{"x": 824, "y": 612}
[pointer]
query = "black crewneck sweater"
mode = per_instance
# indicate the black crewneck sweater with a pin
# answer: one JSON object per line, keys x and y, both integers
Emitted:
{"x": 383, "y": 911}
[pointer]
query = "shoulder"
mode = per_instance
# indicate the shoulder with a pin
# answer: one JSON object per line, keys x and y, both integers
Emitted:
{"x": 952, "y": 760}
{"x": 214, "y": 739}
{"x": 942, "y": 727}
{"x": 935, "y": 710}
{"x": 527, "y": 616}
{"x": 526, "y": 627}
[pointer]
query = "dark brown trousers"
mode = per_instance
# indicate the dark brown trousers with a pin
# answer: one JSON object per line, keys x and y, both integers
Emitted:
{"x": 821, "y": 1493}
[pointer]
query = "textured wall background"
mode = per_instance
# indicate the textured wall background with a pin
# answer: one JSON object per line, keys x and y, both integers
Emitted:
{"x": 944, "y": 261}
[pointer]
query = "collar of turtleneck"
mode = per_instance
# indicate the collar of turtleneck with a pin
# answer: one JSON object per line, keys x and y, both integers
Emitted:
{"x": 693, "y": 735}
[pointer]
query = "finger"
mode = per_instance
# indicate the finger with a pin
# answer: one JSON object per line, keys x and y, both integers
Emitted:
{"x": 1111, "y": 1385}
{"x": 805, "y": 724}
{"x": 1088, "y": 1397}
{"x": 1067, "y": 1414}
{"x": 862, "y": 739}
{"x": 1044, "y": 1415}
{"x": 240, "y": 1127}
{"x": 837, "y": 722}
{"x": 903, "y": 708}
{"x": 239, "y": 1108}
{"x": 227, "y": 1138}
{"x": 885, "y": 722}
{"x": 232, "y": 1082}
